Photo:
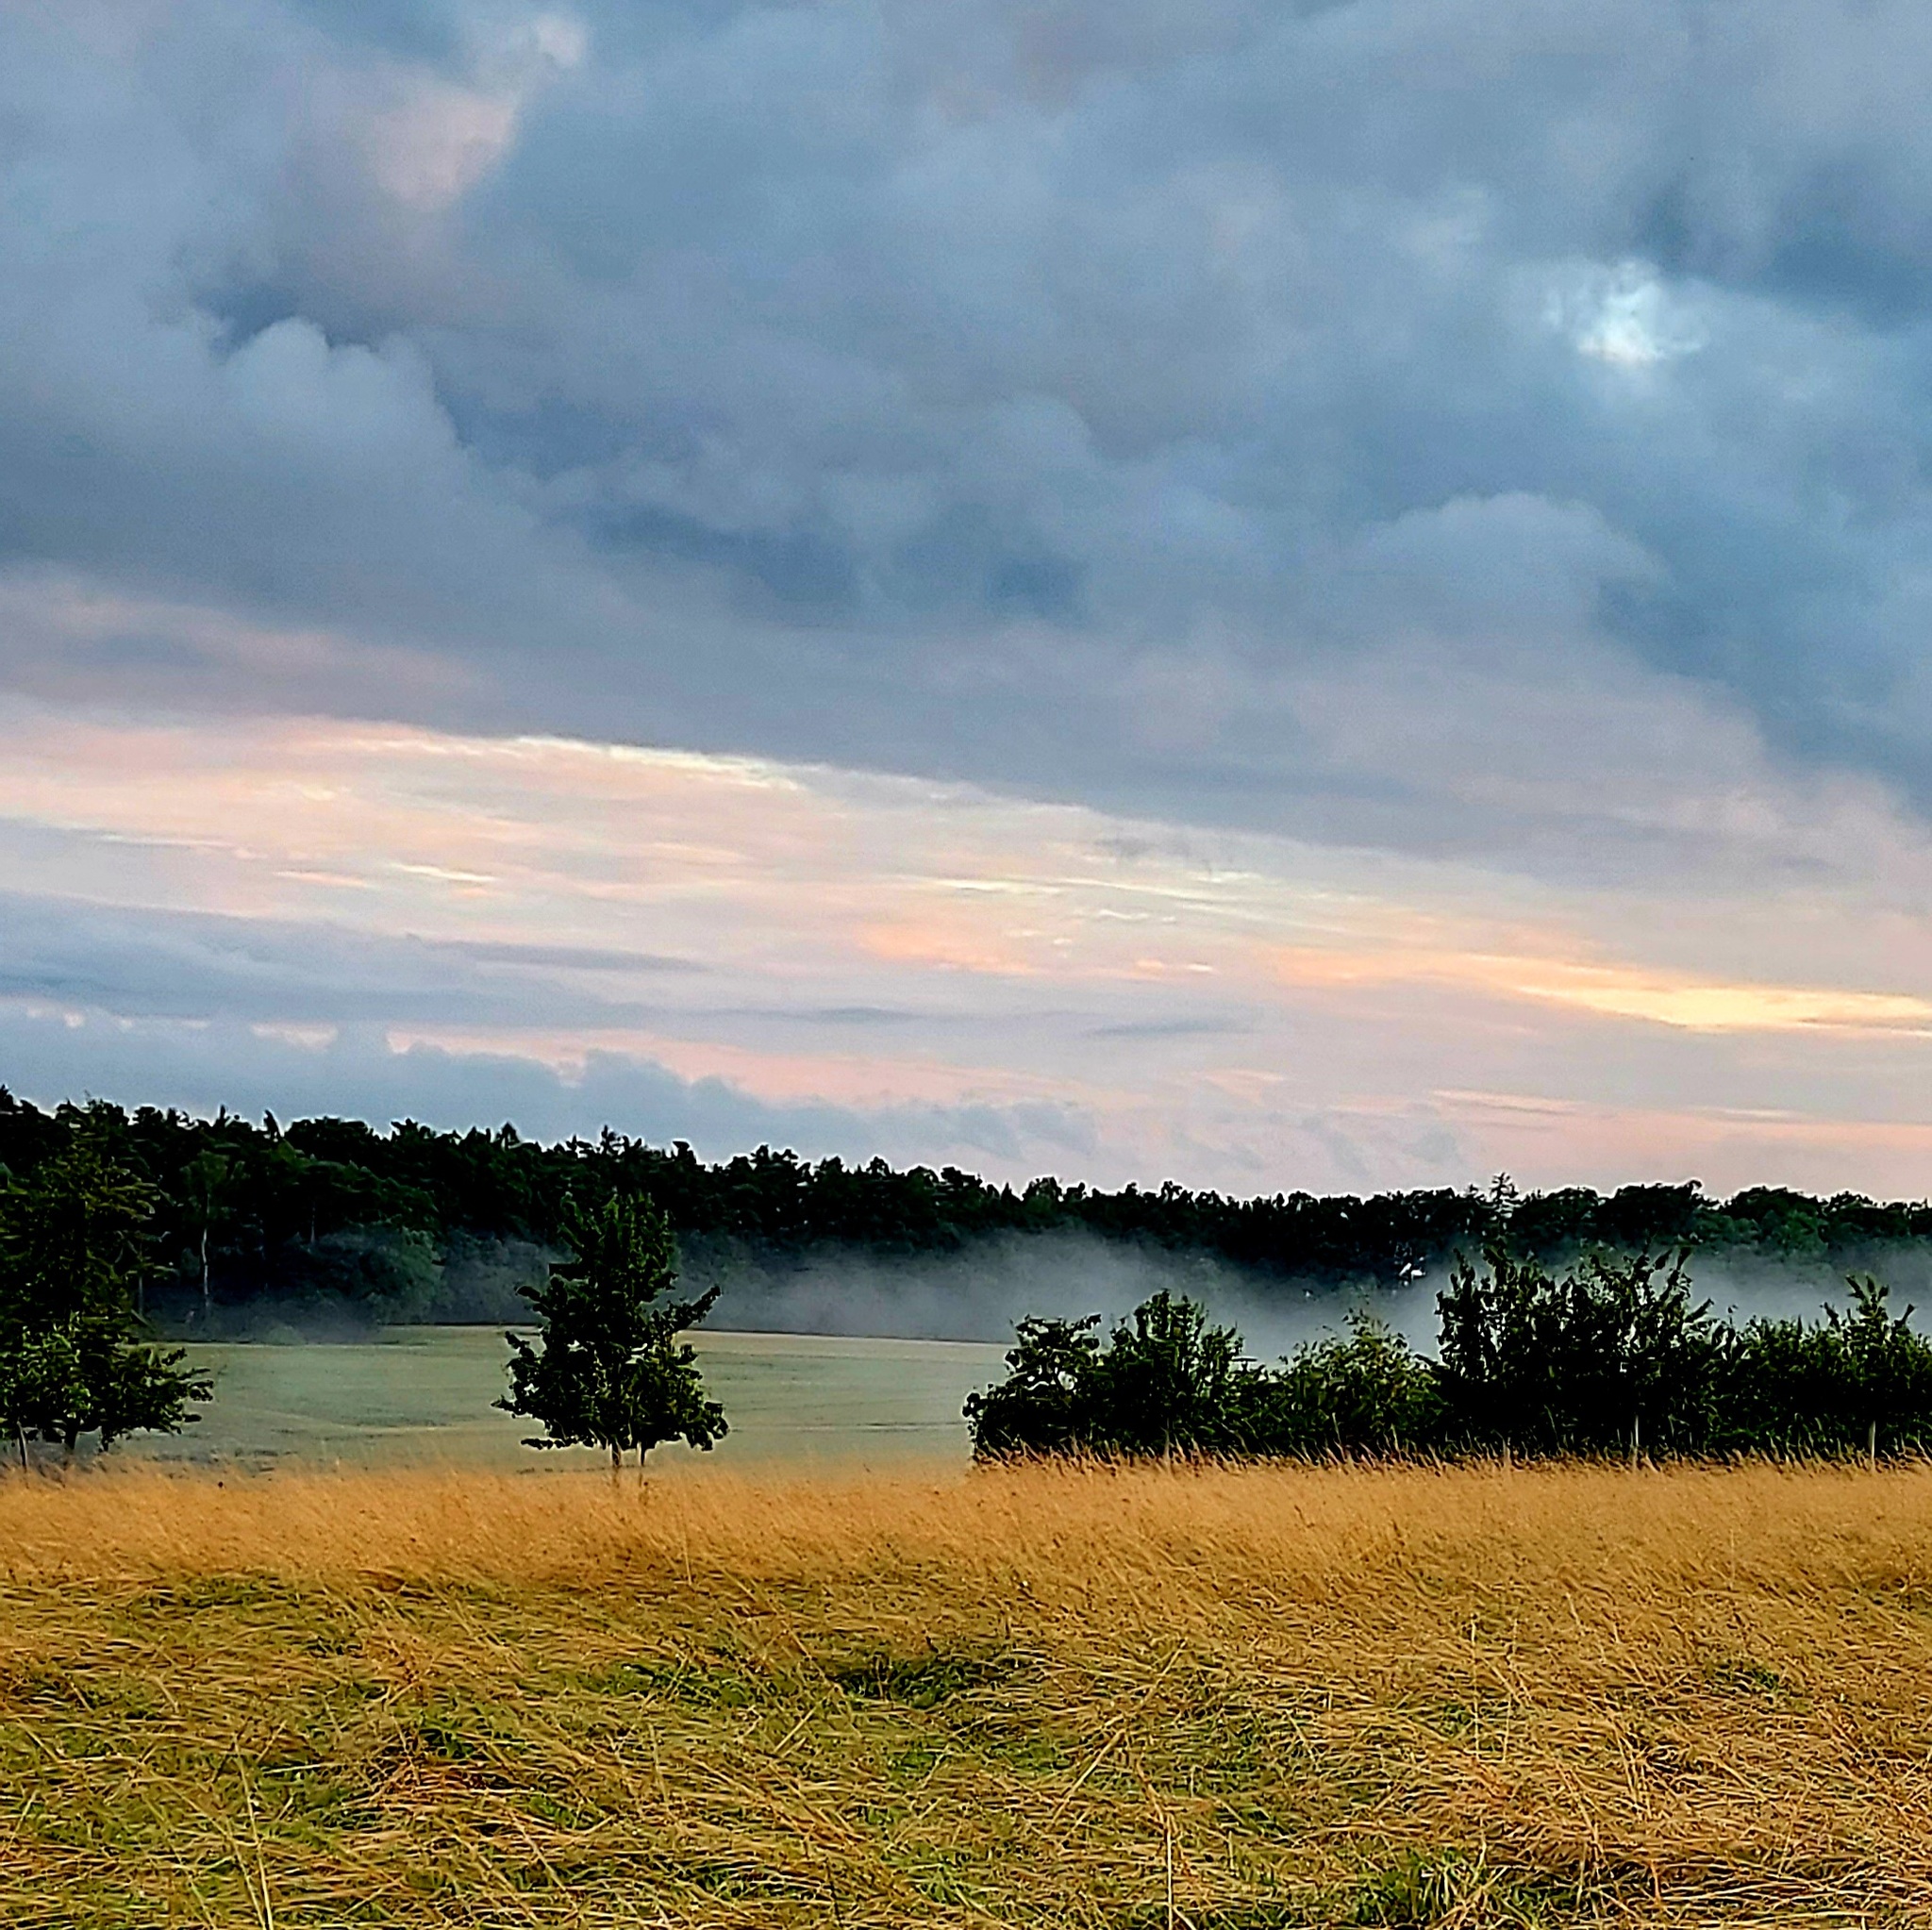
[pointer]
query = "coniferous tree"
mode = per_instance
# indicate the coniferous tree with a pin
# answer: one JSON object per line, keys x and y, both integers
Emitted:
{"x": 608, "y": 1368}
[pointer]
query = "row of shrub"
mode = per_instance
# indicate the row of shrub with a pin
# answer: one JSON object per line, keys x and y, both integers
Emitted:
{"x": 1610, "y": 1356}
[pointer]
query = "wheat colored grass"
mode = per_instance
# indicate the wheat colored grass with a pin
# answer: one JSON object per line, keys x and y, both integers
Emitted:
{"x": 1301, "y": 1696}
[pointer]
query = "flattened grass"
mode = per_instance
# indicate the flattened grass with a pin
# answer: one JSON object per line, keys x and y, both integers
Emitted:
{"x": 1296, "y": 1697}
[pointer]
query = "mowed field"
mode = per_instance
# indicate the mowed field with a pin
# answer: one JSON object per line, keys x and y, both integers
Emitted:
{"x": 1221, "y": 1698}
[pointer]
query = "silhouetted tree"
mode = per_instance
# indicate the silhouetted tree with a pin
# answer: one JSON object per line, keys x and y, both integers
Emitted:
{"x": 73, "y": 1248}
{"x": 1366, "y": 1392}
{"x": 1166, "y": 1381}
{"x": 1170, "y": 1380}
{"x": 1856, "y": 1382}
{"x": 1611, "y": 1353}
{"x": 1610, "y": 1356}
{"x": 608, "y": 1370}
{"x": 1044, "y": 1403}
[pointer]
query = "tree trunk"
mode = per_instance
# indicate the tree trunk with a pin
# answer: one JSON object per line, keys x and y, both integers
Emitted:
{"x": 207, "y": 1298}
{"x": 1636, "y": 1437}
{"x": 1871, "y": 1445}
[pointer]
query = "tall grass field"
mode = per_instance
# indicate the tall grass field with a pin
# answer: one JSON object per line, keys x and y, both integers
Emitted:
{"x": 1220, "y": 1698}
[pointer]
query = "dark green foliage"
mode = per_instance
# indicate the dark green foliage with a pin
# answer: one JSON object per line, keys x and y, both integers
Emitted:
{"x": 353, "y": 1224}
{"x": 73, "y": 1255}
{"x": 1045, "y": 1405}
{"x": 391, "y": 1272}
{"x": 1611, "y": 1357}
{"x": 1611, "y": 1351}
{"x": 608, "y": 1369}
{"x": 1165, "y": 1382}
{"x": 43, "y": 1382}
{"x": 1860, "y": 1381}
{"x": 1366, "y": 1393}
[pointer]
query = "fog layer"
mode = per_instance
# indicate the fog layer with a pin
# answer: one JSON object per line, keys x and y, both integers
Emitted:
{"x": 978, "y": 1294}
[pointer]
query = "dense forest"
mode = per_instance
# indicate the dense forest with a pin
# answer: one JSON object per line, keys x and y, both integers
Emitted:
{"x": 330, "y": 1215}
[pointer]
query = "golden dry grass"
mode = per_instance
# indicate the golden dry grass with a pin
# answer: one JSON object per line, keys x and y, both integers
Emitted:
{"x": 1316, "y": 1696}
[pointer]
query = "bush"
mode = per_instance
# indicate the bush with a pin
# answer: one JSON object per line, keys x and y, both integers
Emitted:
{"x": 1165, "y": 1382}
{"x": 1860, "y": 1381}
{"x": 1366, "y": 1393}
{"x": 1611, "y": 1357}
{"x": 1608, "y": 1355}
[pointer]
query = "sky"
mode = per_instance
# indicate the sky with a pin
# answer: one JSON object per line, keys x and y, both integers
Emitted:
{"x": 1324, "y": 595}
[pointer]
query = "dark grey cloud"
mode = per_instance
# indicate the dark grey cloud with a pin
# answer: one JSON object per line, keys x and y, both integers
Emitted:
{"x": 1173, "y": 1029}
{"x": 1025, "y": 392}
{"x": 565, "y": 957}
{"x": 199, "y": 1010}
{"x": 157, "y": 963}
{"x": 203, "y": 1066}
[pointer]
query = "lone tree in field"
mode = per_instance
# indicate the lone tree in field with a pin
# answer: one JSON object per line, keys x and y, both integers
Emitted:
{"x": 74, "y": 1247}
{"x": 608, "y": 1369}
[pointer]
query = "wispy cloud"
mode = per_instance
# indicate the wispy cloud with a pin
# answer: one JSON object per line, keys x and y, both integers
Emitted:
{"x": 1166, "y": 999}
{"x": 1613, "y": 990}
{"x": 1235, "y": 576}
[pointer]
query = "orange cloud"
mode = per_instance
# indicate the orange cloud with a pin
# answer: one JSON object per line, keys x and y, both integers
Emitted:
{"x": 1610, "y": 990}
{"x": 867, "y": 941}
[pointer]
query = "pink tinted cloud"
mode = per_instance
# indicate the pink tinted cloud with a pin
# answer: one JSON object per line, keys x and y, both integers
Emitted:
{"x": 1244, "y": 1011}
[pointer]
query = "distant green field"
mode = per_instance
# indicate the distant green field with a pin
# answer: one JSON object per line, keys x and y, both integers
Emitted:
{"x": 423, "y": 1394}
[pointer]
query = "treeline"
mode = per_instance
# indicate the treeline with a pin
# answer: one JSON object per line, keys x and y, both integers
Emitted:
{"x": 413, "y": 1223}
{"x": 607, "y": 1367}
{"x": 1609, "y": 1356}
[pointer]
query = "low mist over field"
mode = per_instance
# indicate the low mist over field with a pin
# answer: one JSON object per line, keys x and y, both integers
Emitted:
{"x": 756, "y": 750}
{"x": 979, "y": 1295}
{"x": 327, "y": 1227}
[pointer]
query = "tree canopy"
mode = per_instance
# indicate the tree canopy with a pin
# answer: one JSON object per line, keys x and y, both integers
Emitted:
{"x": 402, "y": 1224}
{"x": 608, "y": 1368}
{"x": 1610, "y": 1356}
{"x": 74, "y": 1255}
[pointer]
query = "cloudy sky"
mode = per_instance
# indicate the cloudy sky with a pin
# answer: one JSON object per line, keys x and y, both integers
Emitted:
{"x": 1326, "y": 594}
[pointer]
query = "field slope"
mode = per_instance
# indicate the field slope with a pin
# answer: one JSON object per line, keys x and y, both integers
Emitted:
{"x": 1228, "y": 1699}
